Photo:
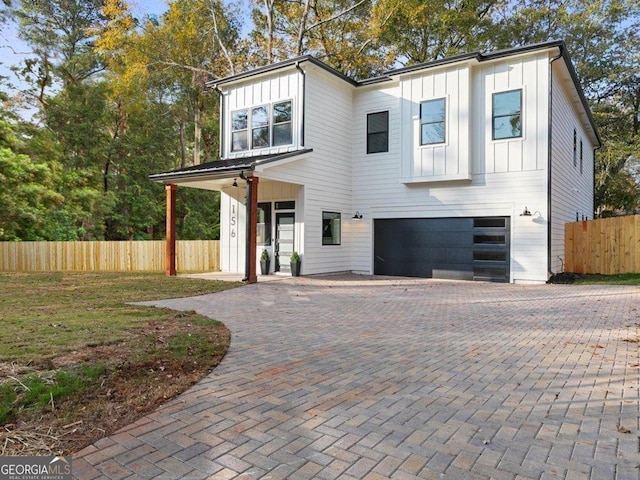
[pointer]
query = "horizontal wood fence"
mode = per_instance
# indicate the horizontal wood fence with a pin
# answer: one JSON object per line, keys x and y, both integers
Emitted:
{"x": 607, "y": 246}
{"x": 127, "y": 256}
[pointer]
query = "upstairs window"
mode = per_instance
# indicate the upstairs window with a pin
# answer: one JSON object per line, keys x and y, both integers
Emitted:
{"x": 507, "y": 114}
{"x": 433, "y": 122}
{"x": 260, "y": 127}
{"x": 270, "y": 125}
{"x": 282, "y": 124}
{"x": 239, "y": 130}
{"x": 378, "y": 132}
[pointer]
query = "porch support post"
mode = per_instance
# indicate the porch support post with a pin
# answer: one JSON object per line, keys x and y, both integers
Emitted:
{"x": 252, "y": 229}
{"x": 170, "y": 247}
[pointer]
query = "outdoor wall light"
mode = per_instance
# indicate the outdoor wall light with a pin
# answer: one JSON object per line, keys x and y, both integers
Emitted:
{"x": 235, "y": 183}
{"x": 525, "y": 213}
{"x": 357, "y": 216}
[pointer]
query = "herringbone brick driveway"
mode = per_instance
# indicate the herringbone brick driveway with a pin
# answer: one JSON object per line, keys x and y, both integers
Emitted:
{"x": 359, "y": 377}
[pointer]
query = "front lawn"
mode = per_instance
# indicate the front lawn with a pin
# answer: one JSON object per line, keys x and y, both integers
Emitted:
{"x": 77, "y": 362}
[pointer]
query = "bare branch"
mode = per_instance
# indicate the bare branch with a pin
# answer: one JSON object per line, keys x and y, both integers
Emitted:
{"x": 336, "y": 16}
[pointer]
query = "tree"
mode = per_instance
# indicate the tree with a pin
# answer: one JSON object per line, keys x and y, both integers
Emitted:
{"x": 602, "y": 36}
{"x": 413, "y": 31}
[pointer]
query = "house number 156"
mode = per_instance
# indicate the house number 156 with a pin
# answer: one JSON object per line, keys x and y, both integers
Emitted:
{"x": 233, "y": 221}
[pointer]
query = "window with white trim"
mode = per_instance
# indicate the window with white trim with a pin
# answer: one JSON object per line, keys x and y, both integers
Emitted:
{"x": 433, "y": 121}
{"x": 506, "y": 115}
{"x": 269, "y": 125}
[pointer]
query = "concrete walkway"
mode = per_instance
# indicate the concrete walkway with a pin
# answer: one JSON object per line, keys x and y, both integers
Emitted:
{"x": 357, "y": 377}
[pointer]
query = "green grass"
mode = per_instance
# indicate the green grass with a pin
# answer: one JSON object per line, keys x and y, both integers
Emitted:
{"x": 44, "y": 315}
{"x": 37, "y": 391}
{"x": 622, "y": 279}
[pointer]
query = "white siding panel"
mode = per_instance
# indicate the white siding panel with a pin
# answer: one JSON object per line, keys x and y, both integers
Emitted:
{"x": 571, "y": 191}
{"x": 325, "y": 173}
{"x": 441, "y": 162}
{"x": 528, "y": 152}
{"x": 278, "y": 86}
{"x": 232, "y": 233}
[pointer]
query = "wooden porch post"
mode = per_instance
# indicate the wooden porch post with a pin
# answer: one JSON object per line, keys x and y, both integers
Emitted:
{"x": 252, "y": 276}
{"x": 170, "y": 247}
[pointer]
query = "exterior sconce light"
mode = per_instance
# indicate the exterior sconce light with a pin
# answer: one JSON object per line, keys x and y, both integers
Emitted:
{"x": 525, "y": 212}
{"x": 357, "y": 216}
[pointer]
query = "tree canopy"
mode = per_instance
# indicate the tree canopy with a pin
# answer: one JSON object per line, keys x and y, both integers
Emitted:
{"x": 118, "y": 96}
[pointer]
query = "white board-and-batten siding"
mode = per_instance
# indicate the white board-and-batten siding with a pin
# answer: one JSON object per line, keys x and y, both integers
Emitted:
{"x": 275, "y": 87}
{"x": 505, "y": 176}
{"x": 449, "y": 160}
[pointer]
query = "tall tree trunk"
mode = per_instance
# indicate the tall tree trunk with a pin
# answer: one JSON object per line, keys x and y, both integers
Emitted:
{"x": 268, "y": 11}
{"x": 302, "y": 28}
{"x": 197, "y": 135}
{"x": 183, "y": 146}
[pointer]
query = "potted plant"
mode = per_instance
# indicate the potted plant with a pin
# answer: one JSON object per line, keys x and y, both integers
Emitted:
{"x": 295, "y": 264}
{"x": 265, "y": 261}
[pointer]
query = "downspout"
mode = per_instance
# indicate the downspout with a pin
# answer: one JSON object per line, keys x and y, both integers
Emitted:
{"x": 549, "y": 162}
{"x": 221, "y": 121}
{"x": 302, "y": 107}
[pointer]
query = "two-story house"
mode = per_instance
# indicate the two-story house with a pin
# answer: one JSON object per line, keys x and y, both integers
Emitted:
{"x": 466, "y": 167}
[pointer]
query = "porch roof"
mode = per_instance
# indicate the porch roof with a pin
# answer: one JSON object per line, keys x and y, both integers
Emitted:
{"x": 225, "y": 167}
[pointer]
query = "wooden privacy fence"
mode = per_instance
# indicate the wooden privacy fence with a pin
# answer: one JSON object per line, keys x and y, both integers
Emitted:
{"x": 606, "y": 246}
{"x": 127, "y": 256}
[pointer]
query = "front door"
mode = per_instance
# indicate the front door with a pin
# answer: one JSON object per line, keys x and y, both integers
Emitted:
{"x": 285, "y": 224}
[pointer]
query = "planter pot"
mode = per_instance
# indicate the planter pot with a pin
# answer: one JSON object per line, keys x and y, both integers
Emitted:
{"x": 295, "y": 269}
{"x": 264, "y": 267}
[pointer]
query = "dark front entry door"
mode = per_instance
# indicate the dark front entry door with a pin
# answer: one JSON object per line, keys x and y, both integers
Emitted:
{"x": 285, "y": 225}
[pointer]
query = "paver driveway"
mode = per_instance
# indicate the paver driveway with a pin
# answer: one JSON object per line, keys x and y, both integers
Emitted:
{"x": 357, "y": 377}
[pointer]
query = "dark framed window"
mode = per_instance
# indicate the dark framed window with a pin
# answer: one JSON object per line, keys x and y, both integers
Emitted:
{"x": 580, "y": 155}
{"x": 331, "y": 228}
{"x": 575, "y": 148}
{"x": 239, "y": 132}
{"x": 378, "y": 132}
{"x": 507, "y": 114}
{"x": 263, "y": 232}
{"x": 282, "y": 124}
{"x": 433, "y": 121}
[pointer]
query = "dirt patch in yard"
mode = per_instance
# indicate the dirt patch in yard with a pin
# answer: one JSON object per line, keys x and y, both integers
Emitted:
{"x": 157, "y": 362}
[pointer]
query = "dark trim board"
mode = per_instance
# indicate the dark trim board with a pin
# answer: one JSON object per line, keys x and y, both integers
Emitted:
{"x": 466, "y": 248}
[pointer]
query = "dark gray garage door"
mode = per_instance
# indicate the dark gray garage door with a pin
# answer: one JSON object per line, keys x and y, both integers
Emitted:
{"x": 454, "y": 248}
